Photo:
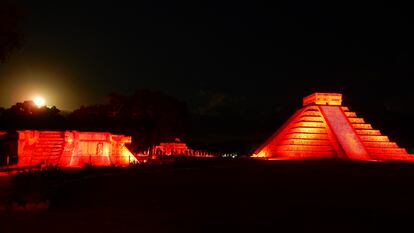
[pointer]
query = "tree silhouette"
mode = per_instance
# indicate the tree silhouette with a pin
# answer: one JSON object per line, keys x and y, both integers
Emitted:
{"x": 148, "y": 116}
{"x": 27, "y": 115}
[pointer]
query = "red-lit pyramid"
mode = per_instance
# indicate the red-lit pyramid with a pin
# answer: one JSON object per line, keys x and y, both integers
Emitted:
{"x": 324, "y": 128}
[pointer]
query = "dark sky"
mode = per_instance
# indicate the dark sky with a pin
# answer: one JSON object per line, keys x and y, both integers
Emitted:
{"x": 221, "y": 57}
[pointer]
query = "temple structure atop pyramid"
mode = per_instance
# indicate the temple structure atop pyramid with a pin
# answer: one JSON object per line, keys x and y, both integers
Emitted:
{"x": 324, "y": 128}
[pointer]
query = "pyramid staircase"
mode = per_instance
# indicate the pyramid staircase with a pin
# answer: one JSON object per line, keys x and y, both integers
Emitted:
{"x": 323, "y": 128}
{"x": 377, "y": 145}
{"x": 49, "y": 147}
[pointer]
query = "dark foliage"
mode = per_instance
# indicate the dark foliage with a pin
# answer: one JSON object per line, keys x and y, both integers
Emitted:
{"x": 27, "y": 115}
{"x": 149, "y": 116}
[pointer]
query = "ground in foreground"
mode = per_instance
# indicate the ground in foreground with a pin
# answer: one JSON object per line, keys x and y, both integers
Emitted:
{"x": 231, "y": 196}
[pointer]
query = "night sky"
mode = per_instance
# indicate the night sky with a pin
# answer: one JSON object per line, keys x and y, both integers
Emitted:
{"x": 234, "y": 60}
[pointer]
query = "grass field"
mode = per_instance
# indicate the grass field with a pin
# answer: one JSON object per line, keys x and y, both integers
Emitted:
{"x": 229, "y": 196}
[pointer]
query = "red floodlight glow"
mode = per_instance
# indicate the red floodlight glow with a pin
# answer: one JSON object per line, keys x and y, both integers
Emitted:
{"x": 73, "y": 148}
{"x": 324, "y": 128}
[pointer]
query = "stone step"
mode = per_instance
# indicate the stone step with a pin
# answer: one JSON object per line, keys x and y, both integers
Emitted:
{"x": 362, "y": 126}
{"x": 50, "y": 139}
{"x": 351, "y": 114}
{"x": 320, "y": 142}
{"x": 305, "y": 148}
{"x": 374, "y": 138}
{"x": 304, "y": 154}
{"x": 368, "y": 132}
{"x": 380, "y": 144}
{"x": 45, "y": 157}
{"x": 356, "y": 120}
{"x": 47, "y": 154}
{"x": 387, "y": 150}
{"x": 51, "y": 143}
{"x": 46, "y": 151}
{"x": 307, "y": 136}
{"x": 308, "y": 130}
{"x": 50, "y": 132}
{"x": 43, "y": 148}
{"x": 51, "y": 136}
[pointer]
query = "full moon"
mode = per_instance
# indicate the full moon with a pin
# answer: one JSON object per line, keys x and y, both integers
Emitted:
{"x": 39, "y": 101}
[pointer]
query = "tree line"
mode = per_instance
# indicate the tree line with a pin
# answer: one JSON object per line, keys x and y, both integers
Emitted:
{"x": 150, "y": 117}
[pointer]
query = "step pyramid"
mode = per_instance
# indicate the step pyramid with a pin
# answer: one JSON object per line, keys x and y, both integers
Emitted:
{"x": 323, "y": 128}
